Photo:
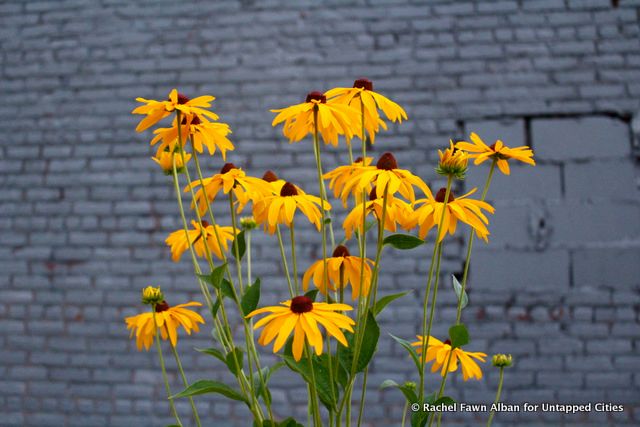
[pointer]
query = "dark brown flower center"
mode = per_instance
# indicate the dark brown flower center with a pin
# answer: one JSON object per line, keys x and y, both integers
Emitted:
{"x": 270, "y": 176}
{"x": 448, "y": 342}
{"x": 182, "y": 99}
{"x": 443, "y": 192}
{"x": 493, "y": 146}
{"x": 163, "y": 306}
{"x": 205, "y": 223}
{"x": 363, "y": 83}
{"x": 340, "y": 251}
{"x": 387, "y": 162}
{"x": 194, "y": 120}
{"x": 227, "y": 167}
{"x": 301, "y": 304}
{"x": 317, "y": 96}
{"x": 358, "y": 159}
{"x": 372, "y": 193}
{"x": 288, "y": 189}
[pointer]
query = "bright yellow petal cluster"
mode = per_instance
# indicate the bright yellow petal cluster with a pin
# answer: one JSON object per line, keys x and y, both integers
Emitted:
{"x": 330, "y": 120}
{"x": 165, "y": 160}
{"x": 197, "y": 236}
{"x": 303, "y": 317}
{"x": 340, "y": 175}
{"x": 342, "y": 270}
{"x": 212, "y": 135}
{"x": 169, "y": 319}
{"x": 439, "y": 352}
{"x": 453, "y": 162}
{"x": 362, "y": 98}
{"x": 158, "y": 110}
{"x": 481, "y": 152}
{"x": 398, "y": 213}
{"x": 460, "y": 208}
{"x": 245, "y": 188}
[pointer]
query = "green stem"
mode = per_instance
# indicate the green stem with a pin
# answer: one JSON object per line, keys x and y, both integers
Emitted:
{"x": 404, "y": 413}
{"x": 284, "y": 262}
{"x": 472, "y": 235}
{"x": 441, "y": 390}
{"x": 500, "y": 380}
{"x": 163, "y": 368}
{"x": 247, "y": 235}
{"x": 186, "y": 384}
{"x": 317, "y": 421}
{"x": 292, "y": 235}
{"x": 236, "y": 248}
{"x": 323, "y": 191}
{"x": 426, "y": 328}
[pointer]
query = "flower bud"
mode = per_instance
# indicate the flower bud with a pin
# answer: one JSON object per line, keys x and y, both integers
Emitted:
{"x": 502, "y": 360}
{"x": 248, "y": 223}
{"x": 165, "y": 160}
{"x": 152, "y": 296}
{"x": 453, "y": 162}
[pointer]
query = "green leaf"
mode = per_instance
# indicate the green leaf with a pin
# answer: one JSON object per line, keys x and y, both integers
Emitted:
{"x": 312, "y": 294}
{"x": 457, "y": 288}
{"x": 214, "y": 308}
{"x": 242, "y": 245}
{"x": 266, "y": 373}
{"x": 208, "y": 386}
{"x": 410, "y": 349}
{"x": 213, "y": 352}
{"x": 227, "y": 289}
{"x": 235, "y": 356}
{"x": 288, "y": 422}
{"x": 445, "y": 400}
{"x": 408, "y": 391}
{"x": 419, "y": 418}
{"x": 458, "y": 335}
{"x": 251, "y": 297}
{"x": 215, "y": 277}
{"x": 367, "y": 349}
{"x": 384, "y": 301}
{"x": 403, "y": 241}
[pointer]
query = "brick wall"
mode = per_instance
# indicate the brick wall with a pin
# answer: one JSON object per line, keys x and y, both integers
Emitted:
{"x": 84, "y": 212}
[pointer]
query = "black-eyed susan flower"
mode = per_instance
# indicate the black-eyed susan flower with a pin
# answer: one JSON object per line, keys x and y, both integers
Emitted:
{"x": 198, "y": 237}
{"x": 277, "y": 183}
{"x": 281, "y": 208}
{"x": 158, "y": 110}
{"x": 213, "y": 135}
{"x": 385, "y": 172}
{"x": 165, "y": 160}
{"x": 439, "y": 352}
{"x": 453, "y": 162}
{"x": 303, "y": 317}
{"x": 457, "y": 209}
{"x": 230, "y": 178}
{"x": 398, "y": 213}
{"x": 332, "y": 119}
{"x": 342, "y": 269}
{"x": 168, "y": 320}
{"x": 340, "y": 175}
{"x": 501, "y": 153}
{"x": 371, "y": 101}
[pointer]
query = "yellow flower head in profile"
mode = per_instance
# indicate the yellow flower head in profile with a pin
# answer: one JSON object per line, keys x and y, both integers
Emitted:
{"x": 457, "y": 209}
{"x": 385, "y": 174}
{"x": 230, "y": 178}
{"x": 201, "y": 133}
{"x": 165, "y": 160}
{"x": 340, "y": 175}
{"x": 342, "y": 269}
{"x": 281, "y": 208}
{"x": 398, "y": 212}
{"x": 362, "y": 91}
{"x": 453, "y": 162}
{"x": 198, "y": 236}
{"x": 501, "y": 153}
{"x": 277, "y": 183}
{"x": 152, "y": 296}
{"x": 168, "y": 319}
{"x": 158, "y": 110}
{"x": 303, "y": 317}
{"x": 330, "y": 120}
{"x": 439, "y": 352}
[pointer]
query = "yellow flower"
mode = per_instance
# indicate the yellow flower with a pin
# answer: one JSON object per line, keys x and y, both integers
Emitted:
{"x": 384, "y": 172}
{"x": 481, "y": 152}
{"x": 151, "y": 295}
{"x": 158, "y": 110}
{"x": 303, "y": 317}
{"x": 340, "y": 175}
{"x": 333, "y": 119}
{"x": 169, "y": 319}
{"x": 277, "y": 183}
{"x": 453, "y": 162}
{"x": 178, "y": 243}
{"x": 281, "y": 208}
{"x": 371, "y": 101}
{"x": 165, "y": 160}
{"x": 440, "y": 352}
{"x": 342, "y": 269}
{"x": 460, "y": 208}
{"x": 230, "y": 178}
{"x": 213, "y": 135}
{"x": 398, "y": 212}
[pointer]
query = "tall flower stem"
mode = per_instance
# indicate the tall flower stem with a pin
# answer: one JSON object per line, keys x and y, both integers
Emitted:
{"x": 236, "y": 248}
{"x": 247, "y": 235}
{"x": 323, "y": 191}
{"x": 163, "y": 368}
{"x": 472, "y": 235}
{"x": 441, "y": 390}
{"x": 315, "y": 408}
{"x": 186, "y": 384}
{"x": 435, "y": 259}
{"x": 285, "y": 266}
{"x": 498, "y": 393}
{"x": 294, "y": 260}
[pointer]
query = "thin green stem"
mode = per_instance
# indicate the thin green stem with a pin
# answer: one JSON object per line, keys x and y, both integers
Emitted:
{"x": 285, "y": 266}
{"x": 404, "y": 413}
{"x": 500, "y": 381}
{"x": 472, "y": 235}
{"x": 292, "y": 235}
{"x": 186, "y": 384}
{"x": 236, "y": 248}
{"x": 441, "y": 390}
{"x": 163, "y": 368}
{"x": 317, "y": 421}
{"x": 247, "y": 235}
